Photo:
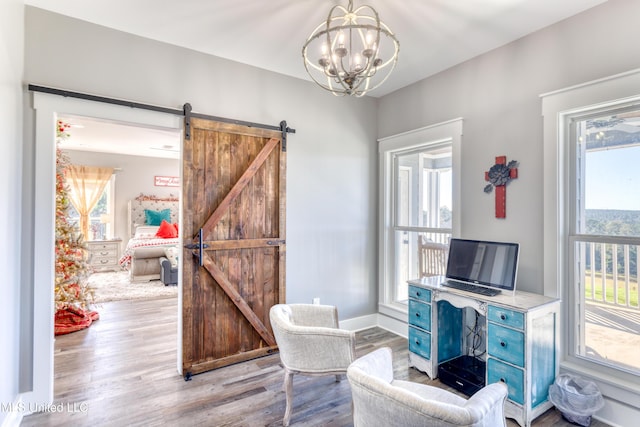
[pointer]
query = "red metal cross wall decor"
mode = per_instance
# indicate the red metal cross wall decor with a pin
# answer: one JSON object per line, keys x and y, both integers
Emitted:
{"x": 499, "y": 176}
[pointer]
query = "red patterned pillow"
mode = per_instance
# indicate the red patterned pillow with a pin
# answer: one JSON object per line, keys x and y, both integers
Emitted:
{"x": 166, "y": 230}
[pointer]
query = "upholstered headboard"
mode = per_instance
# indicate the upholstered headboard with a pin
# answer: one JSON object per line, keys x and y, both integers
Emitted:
{"x": 139, "y": 204}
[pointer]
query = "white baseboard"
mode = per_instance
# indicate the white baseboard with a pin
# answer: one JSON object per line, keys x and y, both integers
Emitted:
{"x": 391, "y": 324}
{"x": 617, "y": 414}
{"x": 372, "y": 320}
{"x": 359, "y": 323}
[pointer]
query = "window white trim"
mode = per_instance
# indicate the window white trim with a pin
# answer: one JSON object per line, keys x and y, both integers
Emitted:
{"x": 441, "y": 132}
{"x": 557, "y": 108}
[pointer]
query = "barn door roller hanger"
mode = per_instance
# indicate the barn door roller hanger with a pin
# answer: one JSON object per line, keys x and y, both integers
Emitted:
{"x": 186, "y": 109}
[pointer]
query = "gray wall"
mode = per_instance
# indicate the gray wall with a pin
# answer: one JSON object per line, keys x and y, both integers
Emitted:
{"x": 331, "y": 160}
{"x": 134, "y": 177}
{"x": 497, "y": 95}
{"x": 11, "y": 53}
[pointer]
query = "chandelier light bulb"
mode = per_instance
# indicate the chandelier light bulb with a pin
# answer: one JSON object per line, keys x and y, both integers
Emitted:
{"x": 358, "y": 51}
{"x": 357, "y": 59}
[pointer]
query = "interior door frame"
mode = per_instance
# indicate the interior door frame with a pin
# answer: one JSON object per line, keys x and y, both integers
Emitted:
{"x": 42, "y": 240}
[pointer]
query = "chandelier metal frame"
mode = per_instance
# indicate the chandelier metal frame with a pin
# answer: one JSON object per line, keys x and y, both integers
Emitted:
{"x": 348, "y": 47}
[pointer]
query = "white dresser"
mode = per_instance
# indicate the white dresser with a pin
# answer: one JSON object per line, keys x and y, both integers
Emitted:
{"x": 104, "y": 254}
{"x": 520, "y": 333}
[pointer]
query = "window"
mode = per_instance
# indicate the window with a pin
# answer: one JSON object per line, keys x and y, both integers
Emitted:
{"x": 419, "y": 209}
{"x": 101, "y": 224}
{"x": 590, "y": 259}
{"x": 604, "y": 235}
{"x": 423, "y": 208}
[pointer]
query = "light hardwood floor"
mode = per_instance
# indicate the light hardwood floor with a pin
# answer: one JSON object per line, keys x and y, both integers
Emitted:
{"x": 122, "y": 371}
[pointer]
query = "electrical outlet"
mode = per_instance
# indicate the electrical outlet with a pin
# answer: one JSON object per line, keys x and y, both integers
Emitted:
{"x": 316, "y": 301}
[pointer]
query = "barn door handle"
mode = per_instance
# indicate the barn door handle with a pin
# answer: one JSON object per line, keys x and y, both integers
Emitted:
{"x": 275, "y": 242}
{"x": 200, "y": 246}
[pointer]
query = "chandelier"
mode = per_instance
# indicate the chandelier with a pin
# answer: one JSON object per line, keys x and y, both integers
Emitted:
{"x": 352, "y": 52}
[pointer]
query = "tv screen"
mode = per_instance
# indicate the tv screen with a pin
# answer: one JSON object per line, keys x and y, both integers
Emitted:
{"x": 490, "y": 264}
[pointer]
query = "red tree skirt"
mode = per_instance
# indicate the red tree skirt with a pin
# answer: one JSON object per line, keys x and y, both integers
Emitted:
{"x": 72, "y": 319}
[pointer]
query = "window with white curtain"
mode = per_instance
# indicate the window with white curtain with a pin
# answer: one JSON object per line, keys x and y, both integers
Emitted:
{"x": 101, "y": 218}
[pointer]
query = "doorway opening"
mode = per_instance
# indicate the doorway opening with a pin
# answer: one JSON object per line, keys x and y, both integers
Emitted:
{"x": 48, "y": 108}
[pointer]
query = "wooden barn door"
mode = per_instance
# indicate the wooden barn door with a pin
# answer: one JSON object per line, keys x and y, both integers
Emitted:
{"x": 234, "y": 238}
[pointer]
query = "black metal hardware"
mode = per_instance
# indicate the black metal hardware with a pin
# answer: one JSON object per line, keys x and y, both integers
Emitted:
{"x": 503, "y": 317}
{"x": 285, "y": 129}
{"x": 275, "y": 242}
{"x": 114, "y": 101}
{"x": 417, "y": 314}
{"x": 503, "y": 344}
{"x": 186, "y": 109}
{"x": 79, "y": 95}
{"x": 200, "y": 247}
{"x": 187, "y": 376}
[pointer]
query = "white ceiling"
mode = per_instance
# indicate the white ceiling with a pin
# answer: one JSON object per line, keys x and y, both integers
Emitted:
{"x": 101, "y": 136}
{"x": 434, "y": 34}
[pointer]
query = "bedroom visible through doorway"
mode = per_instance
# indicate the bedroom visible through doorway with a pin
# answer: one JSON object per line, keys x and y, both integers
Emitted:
{"x": 137, "y": 155}
{"x": 146, "y": 170}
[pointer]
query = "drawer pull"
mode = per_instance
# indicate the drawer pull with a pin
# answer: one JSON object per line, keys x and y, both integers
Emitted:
{"x": 503, "y": 344}
{"x": 417, "y": 342}
{"x": 104, "y": 253}
{"x": 459, "y": 383}
{"x": 503, "y": 317}
{"x": 104, "y": 261}
{"x": 502, "y": 380}
{"x": 417, "y": 314}
{"x": 419, "y": 293}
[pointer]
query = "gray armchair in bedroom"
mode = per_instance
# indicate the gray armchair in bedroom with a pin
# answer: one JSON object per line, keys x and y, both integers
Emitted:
{"x": 310, "y": 343}
{"x": 380, "y": 400}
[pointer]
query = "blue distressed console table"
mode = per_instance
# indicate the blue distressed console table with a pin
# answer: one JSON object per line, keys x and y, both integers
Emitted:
{"x": 520, "y": 339}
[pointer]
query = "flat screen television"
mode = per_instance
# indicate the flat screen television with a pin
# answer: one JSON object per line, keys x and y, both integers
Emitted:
{"x": 487, "y": 264}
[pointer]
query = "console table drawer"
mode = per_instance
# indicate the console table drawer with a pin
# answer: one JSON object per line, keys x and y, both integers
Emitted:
{"x": 420, "y": 342}
{"x": 510, "y": 375}
{"x": 506, "y": 344}
{"x": 505, "y": 317}
{"x": 104, "y": 247}
{"x": 419, "y": 293}
{"x": 420, "y": 315}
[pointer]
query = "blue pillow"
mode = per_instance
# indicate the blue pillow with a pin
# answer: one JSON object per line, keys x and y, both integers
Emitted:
{"x": 156, "y": 217}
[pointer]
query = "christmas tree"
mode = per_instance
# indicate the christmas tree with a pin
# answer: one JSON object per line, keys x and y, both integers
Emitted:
{"x": 73, "y": 295}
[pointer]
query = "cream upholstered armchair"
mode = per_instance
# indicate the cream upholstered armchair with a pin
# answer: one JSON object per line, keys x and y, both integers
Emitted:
{"x": 379, "y": 400}
{"x": 310, "y": 343}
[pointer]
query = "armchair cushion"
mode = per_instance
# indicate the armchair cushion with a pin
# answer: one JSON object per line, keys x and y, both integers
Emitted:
{"x": 379, "y": 400}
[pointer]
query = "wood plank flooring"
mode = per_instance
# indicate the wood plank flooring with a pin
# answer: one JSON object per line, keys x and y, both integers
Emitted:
{"x": 123, "y": 371}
